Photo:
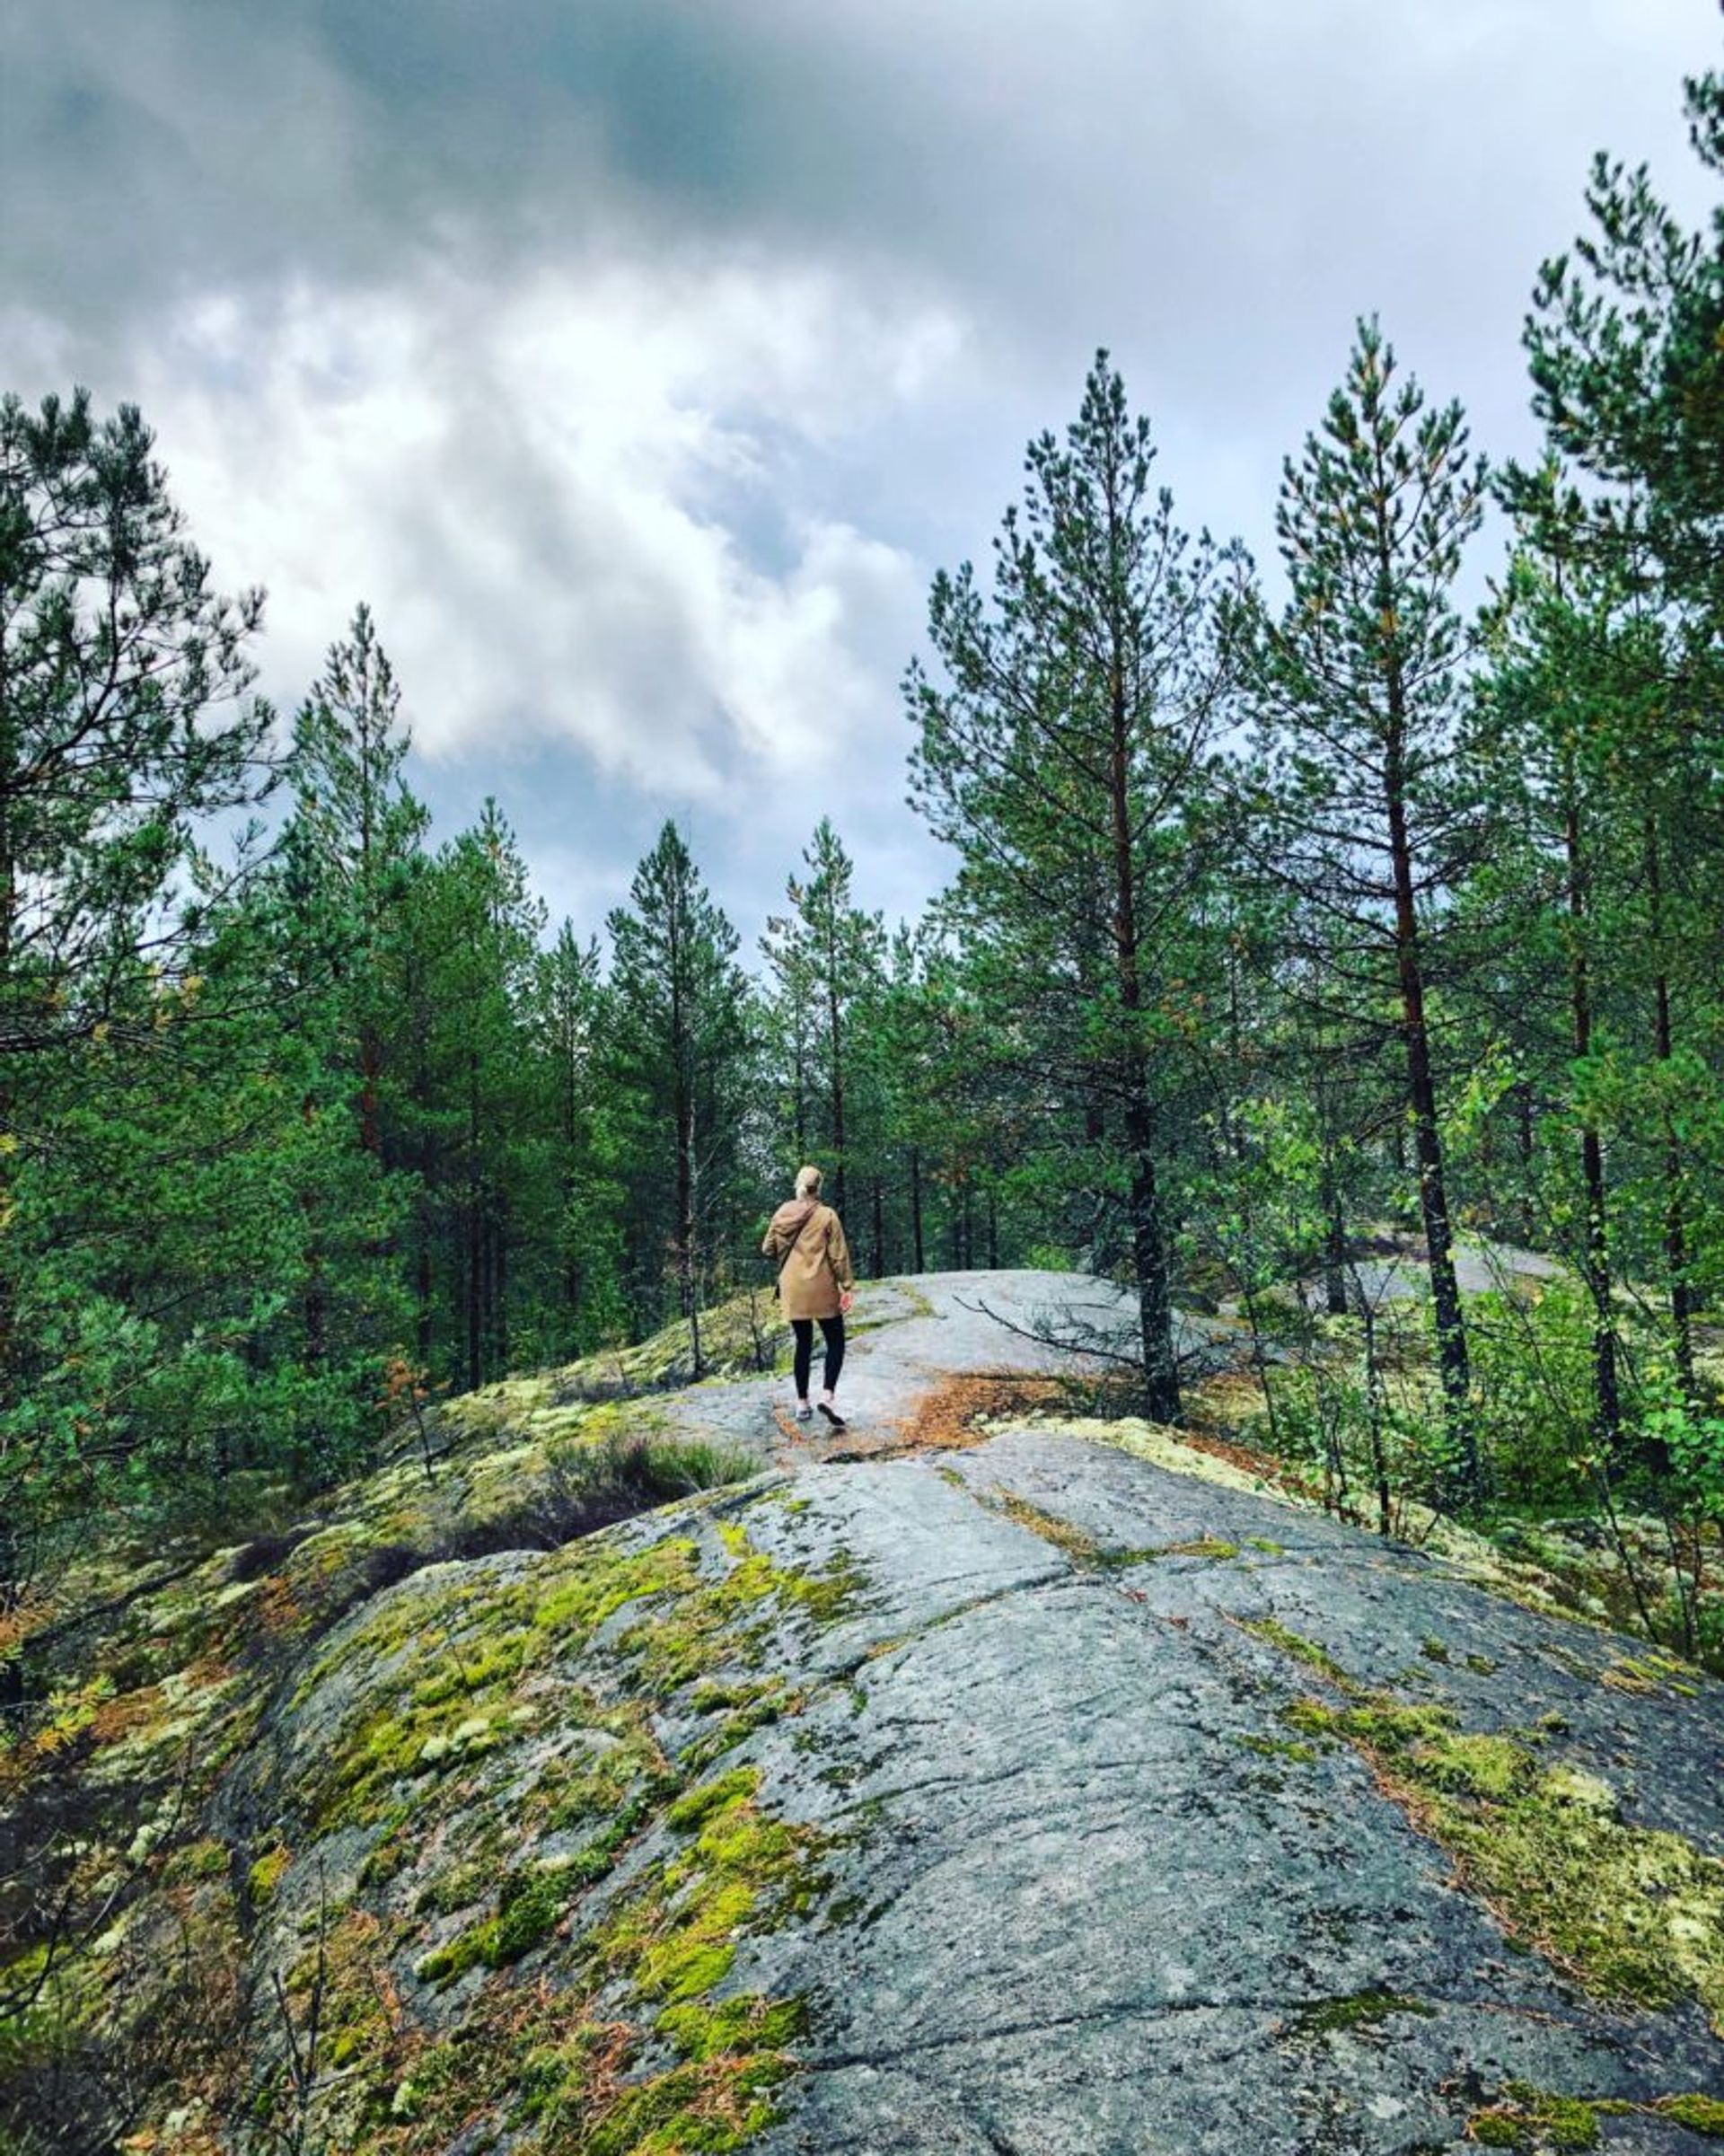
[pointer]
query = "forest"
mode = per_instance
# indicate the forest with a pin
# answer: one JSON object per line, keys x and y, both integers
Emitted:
{"x": 1364, "y": 906}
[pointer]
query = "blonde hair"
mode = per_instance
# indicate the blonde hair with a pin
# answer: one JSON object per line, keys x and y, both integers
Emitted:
{"x": 808, "y": 1182}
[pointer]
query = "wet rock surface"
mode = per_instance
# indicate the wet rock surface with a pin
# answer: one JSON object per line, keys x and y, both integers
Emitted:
{"x": 907, "y": 1338}
{"x": 986, "y": 1790}
{"x": 1095, "y": 1917}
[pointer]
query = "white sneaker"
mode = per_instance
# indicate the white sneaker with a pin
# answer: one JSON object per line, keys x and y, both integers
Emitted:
{"x": 805, "y": 1413}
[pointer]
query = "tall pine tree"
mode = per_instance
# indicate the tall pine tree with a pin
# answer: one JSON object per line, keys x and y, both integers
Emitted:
{"x": 1063, "y": 753}
{"x": 681, "y": 1054}
{"x": 1367, "y": 812}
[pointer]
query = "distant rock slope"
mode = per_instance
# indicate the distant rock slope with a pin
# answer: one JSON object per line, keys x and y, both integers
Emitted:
{"x": 1019, "y": 1797}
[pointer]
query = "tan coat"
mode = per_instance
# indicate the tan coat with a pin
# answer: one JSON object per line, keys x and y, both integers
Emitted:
{"x": 806, "y": 1240}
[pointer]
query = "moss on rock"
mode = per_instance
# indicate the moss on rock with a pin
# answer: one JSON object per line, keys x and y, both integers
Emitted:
{"x": 1353, "y": 2011}
{"x": 1526, "y": 2117}
{"x": 1699, "y": 2114}
{"x": 1635, "y": 1913}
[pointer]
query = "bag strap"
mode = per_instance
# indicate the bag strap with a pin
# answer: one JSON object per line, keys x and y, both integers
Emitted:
{"x": 790, "y": 1251}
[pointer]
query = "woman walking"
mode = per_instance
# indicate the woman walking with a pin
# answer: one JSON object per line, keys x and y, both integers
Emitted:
{"x": 815, "y": 1280}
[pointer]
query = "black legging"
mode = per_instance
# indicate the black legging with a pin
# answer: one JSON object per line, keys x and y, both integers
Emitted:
{"x": 833, "y": 1332}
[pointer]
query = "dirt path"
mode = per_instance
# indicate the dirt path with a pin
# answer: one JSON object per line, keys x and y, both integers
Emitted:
{"x": 909, "y": 1341}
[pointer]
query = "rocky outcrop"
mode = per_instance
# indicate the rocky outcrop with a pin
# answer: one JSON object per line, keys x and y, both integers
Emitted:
{"x": 994, "y": 1789}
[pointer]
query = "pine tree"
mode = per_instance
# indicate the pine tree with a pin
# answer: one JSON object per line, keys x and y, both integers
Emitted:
{"x": 1356, "y": 688}
{"x": 1623, "y": 344}
{"x": 125, "y": 715}
{"x": 1062, "y": 754}
{"x": 828, "y": 956}
{"x": 470, "y": 1095}
{"x": 357, "y": 828}
{"x": 576, "y": 1253}
{"x": 681, "y": 1050}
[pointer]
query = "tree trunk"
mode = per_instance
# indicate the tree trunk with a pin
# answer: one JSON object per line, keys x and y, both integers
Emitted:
{"x": 1334, "y": 1247}
{"x": 685, "y": 1214}
{"x": 879, "y": 1264}
{"x": 836, "y": 1022}
{"x": 1428, "y": 1148}
{"x": 422, "y": 1289}
{"x": 571, "y": 1265}
{"x": 1335, "y": 1219}
{"x": 316, "y": 1300}
{"x": 916, "y": 1207}
{"x": 1148, "y": 1240}
{"x": 499, "y": 1296}
{"x": 425, "y": 1150}
{"x": 1525, "y": 1220}
{"x": 1683, "y": 1299}
{"x": 1607, "y": 1418}
{"x": 690, "y": 1285}
{"x": 475, "y": 1235}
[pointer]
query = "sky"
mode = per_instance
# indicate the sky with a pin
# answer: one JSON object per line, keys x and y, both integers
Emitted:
{"x": 641, "y": 361}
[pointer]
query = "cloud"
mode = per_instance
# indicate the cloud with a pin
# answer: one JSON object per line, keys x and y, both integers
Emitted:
{"x": 638, "y": 359}
{"x": 587, "y": 508}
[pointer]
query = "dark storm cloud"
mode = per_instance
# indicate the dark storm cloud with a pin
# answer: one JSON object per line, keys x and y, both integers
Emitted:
{"x": 640, "y": 357}
{"x": 1099, "y": 150}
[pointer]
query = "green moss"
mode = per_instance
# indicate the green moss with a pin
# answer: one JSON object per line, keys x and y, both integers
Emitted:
{"x": 344, "y": 1967}
{"x": 1635, "y": 1913}
{"x": 529, "y": 1906}
{"x": 194, "y": 1860}
{"x": 599, "y": 1580}
{"x": 1072, "y": 1542}
{"x": 737, "y": 1338}
{"x": 531, "y": 1902}
{"x": 1280, "y": 1747}
{"x": 457, "y": 1889}
{"x": 1354, "y": 2009}
{"x": 1499, "y": 2130}
{"x": 742, "y": 2024}
{"x": 1648, "y": 1673}
{"x": 1313, "y": 1721}
{"x": 458, "y": 1693}
{"x": 824, "y": 1596}
{"x": 1493, "y": 1767}
{"x": 1274, "y": 1633}
{"x": 51, "y": 2027}
{"x": 417, "y": 1705}
{"x": 757, "y": 1704}
{"x": 1480, "y": 1665}
{"x": 1083, "y": 1549}
{"x": 660, "y": 1953}
{"x": 1526, "y": 2117}
{"x": 265, "y": 1875}
{"x": 1699, "y": 2114}
{"x": 699, "y": 1805}
{"x": 671, "y": 1944}
{"x": 718, "y": 1624}
{"x": 703, "y": 2109}
{"x": 1269, "y": 1548}
{"x": 1434, "y": 1651}
{"x": 742, "y": 1869}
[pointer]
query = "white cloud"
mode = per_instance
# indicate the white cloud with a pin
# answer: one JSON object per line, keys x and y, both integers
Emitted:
{"x": 587, "y": 509}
